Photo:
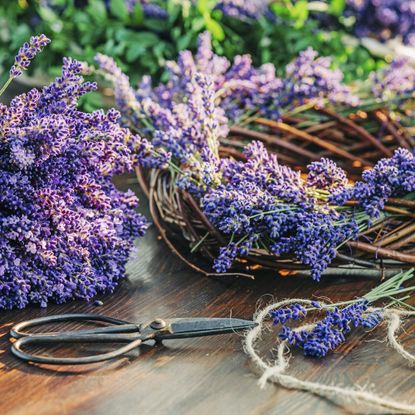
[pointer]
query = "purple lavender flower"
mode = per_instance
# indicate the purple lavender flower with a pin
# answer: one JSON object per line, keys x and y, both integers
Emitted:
{"x": 310, "y": 77}
{"x": 124, "y": 94}
{"x": 282, "y": 315}
{"x": 258, "y": 203}
{"x": 384, "y": 20}
{"x": 265, "y": 205}
{"x": 154, "y": 11}
{"x": 238, "y": 85}
{"x": 150, "y": 8}
{"x": 27, "y": 53}
{"x": 66, "y": 231}
{"x": 327, "y": 176}
{"x": 328, "y": 333}
{"x": 146, "y": 155}
{"x": 390, "y": 177}
{"x": 396, "y": 79}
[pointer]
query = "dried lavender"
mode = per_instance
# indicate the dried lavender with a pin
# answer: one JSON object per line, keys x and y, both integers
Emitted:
{"x": 66, "y": 231}
{"x": 258, "y": 203}
{"x": 262, "y": 204}
{"x": 391, "y": 177}
{"x": 124, "y": 94}
{"x": 340, "y": 319}
{"x": 240, "y": 88}
{"x": 189, "y": 133}
{"x": 25, "y": 55}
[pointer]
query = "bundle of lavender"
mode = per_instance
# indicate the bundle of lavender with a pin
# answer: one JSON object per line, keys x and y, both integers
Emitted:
{"x": 332, "y": 324}
{"x": 246, "y": 209}
{"x": 307, "y": 114}
{"x": 66, "y": 231}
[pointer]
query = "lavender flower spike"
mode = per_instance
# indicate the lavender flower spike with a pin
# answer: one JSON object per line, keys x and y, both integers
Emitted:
{"x": 26, "y": 53}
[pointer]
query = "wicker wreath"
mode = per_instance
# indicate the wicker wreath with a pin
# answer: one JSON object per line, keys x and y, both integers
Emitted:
{"x": 346, "y": 140}
{"x": 385, "y": 248}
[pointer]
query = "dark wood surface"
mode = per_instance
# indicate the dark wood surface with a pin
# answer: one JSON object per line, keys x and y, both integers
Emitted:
{"x": 210, "y": 375}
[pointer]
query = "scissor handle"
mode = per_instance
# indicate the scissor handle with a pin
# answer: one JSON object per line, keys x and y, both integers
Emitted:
{"x": 58, "y": 339}
{"x": 123, "y": 326}
{"x": 118, "y": 331}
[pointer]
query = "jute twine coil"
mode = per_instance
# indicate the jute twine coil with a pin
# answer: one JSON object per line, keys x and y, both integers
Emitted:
{"x": 363, "y": 401}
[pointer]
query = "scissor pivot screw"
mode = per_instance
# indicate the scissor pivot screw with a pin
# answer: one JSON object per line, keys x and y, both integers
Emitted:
{"x": 158, "y": 323}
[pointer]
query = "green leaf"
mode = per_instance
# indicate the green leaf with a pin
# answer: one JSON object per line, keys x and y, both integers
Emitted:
{"x": 301, "y": 9}
{"x": 138, "y": 14}
{"x": 174, "y": 10}
{"x": 96, "y": 9}
{"x": 133, "y": 52}
{"x": 198, "y": 24}
{"x": 47, "y": 14}
{"x": 337, "y": 7}
{"x": 183, "y": 42}
{"x": 283, "y": 10}
{"x": 119, "y": 9}
{"x": 120, "y": 35}
{"x": 144, "y": 39}
{"x": 205, "y": 6}
{"x": 215, "y": 29}
{"x": 91, "y": 101}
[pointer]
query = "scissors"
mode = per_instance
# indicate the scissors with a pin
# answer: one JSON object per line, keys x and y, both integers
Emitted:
{"x": 115, "y": 331}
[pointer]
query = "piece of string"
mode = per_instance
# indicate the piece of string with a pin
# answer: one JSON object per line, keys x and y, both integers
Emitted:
{"x": 359, "y": 400}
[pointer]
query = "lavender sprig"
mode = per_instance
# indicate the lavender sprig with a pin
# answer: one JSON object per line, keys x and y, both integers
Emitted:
{"x": 261, "y": 203}
{"x": 150, "y": 9}
{"x": 340, "y": 319}
{"x": 394, "y": 176}
{"x": 25, "y": 55}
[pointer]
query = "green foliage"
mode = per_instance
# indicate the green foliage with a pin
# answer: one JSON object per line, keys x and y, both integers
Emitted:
{"x": 81, "y": 28}
{"x": 337, "y": 7}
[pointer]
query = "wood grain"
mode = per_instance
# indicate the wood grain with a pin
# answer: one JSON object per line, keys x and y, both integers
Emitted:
{"x": 210, "y": 375}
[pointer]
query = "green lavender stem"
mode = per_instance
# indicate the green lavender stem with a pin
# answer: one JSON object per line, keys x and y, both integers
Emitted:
{"x": 8, "y": 82}
{"x": 388, "y": 289}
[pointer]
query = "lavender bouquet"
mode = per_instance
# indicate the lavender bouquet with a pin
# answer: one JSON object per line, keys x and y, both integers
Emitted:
{"x": 66, "y": 231}
{"x": 328, "y": 333}
{"x": 307, "y": 114}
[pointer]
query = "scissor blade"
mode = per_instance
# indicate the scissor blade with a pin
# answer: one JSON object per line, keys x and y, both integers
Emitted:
{"x": 196, "y": 327}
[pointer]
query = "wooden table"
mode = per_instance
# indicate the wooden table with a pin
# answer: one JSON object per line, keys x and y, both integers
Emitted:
{"x": 210, "y": 375}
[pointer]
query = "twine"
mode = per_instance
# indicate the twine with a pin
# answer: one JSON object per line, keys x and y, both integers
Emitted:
{"x": 361, "y": 399}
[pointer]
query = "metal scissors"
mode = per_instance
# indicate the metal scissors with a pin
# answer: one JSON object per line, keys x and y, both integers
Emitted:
{"x": 115, "y": 331}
